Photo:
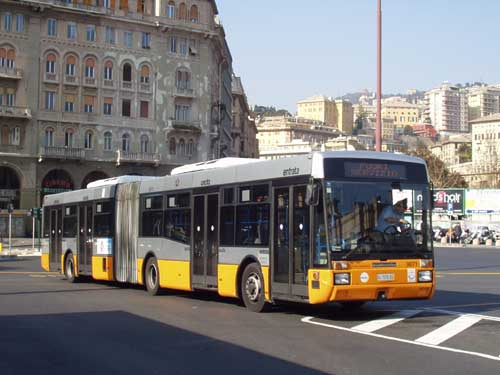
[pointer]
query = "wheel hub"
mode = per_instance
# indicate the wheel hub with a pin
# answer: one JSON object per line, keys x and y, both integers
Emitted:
{"x": 253, "y": 286}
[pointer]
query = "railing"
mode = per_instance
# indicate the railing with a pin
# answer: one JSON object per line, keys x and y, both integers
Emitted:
{"x": 13, "y": 73}
{"x": 108, "y": 83}
{"x": 71, "y": 80}
{"x": 89, "y": 81}
{"x": 145, "y": 87}
{"x": 50, "y": 76}
{"x": 186, "y": 92}
{"x": 137, "y": 157}
{"x": 68, "y": 153}
{"x": 17, "y": 112}
{"x": 190, "y": 126}
{"x": 127, "y": 85}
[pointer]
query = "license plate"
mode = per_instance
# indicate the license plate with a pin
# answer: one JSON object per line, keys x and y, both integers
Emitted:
{"x": 385, "y": 277}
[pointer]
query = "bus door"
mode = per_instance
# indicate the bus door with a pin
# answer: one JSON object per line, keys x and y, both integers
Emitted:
{"x": 291, "y": 255}
{"x": 205, "y": 240}
{"x": 86, "y": 239}
{"x": 55, "y": 247}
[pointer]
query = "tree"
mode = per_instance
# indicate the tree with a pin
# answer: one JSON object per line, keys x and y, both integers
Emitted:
{"x": 440, "y": 175}
{"x": 360, "y": 119}
{"x": 465, "y": 153}
{"x": 408, "y": 130}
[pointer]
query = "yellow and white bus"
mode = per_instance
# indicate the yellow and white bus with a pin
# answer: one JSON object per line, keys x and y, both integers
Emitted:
{"x": 311, "y": 228}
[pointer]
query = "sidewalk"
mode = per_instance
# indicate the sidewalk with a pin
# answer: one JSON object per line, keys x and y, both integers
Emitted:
{"x": 21, "y": 247}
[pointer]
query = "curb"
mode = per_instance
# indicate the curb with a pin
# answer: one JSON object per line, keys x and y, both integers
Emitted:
{"x": 5, "y": 258}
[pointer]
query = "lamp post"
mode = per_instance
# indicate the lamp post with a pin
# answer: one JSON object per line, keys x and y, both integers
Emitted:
{"x": 378, "y": 129}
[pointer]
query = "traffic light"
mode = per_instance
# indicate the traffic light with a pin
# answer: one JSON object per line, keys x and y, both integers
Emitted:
{"x": 10, "y": 208}
{"x": 37, "y": 212}
{"x": 30, "y": 212}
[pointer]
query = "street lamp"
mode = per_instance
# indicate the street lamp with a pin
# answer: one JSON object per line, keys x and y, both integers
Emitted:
{"x": 378, "y": 129}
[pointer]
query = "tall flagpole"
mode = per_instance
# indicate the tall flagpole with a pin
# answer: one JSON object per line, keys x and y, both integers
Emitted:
{"x": 378, "y": 129}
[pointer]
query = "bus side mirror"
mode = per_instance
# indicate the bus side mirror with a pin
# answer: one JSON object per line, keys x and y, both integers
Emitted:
{"x": 312, "y": 194}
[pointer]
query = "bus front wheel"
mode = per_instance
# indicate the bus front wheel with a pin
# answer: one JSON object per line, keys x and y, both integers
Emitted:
{"x": 69, "y": 268}
{"x": 252, "y": 288}
{"x": 152, "y": 277}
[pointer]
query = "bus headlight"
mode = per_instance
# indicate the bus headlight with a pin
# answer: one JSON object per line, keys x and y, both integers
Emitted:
{"x": 342, "y": 278}
{"x": 424, "y": 276}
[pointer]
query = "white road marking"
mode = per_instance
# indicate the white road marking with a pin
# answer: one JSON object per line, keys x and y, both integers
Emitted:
{"x": 451, "y": 312}
{"x": 377, "y": 324}
{"x": 308, "y": 319}
{"x": 449, "y": 330}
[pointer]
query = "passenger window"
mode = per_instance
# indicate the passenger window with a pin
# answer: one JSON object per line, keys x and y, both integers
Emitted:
{"x": 70, "y": 222}
{"x": 152, "y": 216}
{"x": 103, "y": 219}
{"x": 178, "y": 218}
{"x": 227, "y": 226}
{"x": 252, "y": 225}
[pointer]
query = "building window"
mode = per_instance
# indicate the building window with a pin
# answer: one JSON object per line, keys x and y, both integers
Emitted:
{"x": 126, "y": 107}
{"x": 110, "y": 35}
{"x": 71, "y": 31}
{"x": 193, "y": 14}
{"x": 50, "y": 100}
{"x": 173, "y": 44}
{"x": 89, "y": 139}
{"x": 107, "y": 4}
{"x": 50, "y": 65}
{"x": 126, "y": 142}
{"x": 70, "y": 66}
{"x": 7, "y": 22}
{"x": 49, "y": 137}
{"x": 19, "y": 23}
{"x": 88, "y": 104}
{"x": 68, "y": 138}
{"x": 190, "y": 148}
{"x": 144, "y": 144}
{"x": 108, "y": 141}
{"x": 183, "y": 80}
{"x": 145, "y": 74}
{"x": 108, "y": 106}
{"x": 15, "y": 136}
{"x": 90, "y": 33}
{"x": 182, "y": 147}
{"x": 127, "y": 73}
{"x": 52, "y": 27}
{"x": 144, "y": 113}
{"x": 124, "y": 5}
{"x": 182, "y": 112}
{"x": 69, "y": 103}
{"x": 172, "y": 146}
{"x": 171, "y": 10}
{"x": 127, "y": 39}
{"x": 183, "y": 46}
{"x": 146, "y": 40}
{"x": 108, "y": 71}
{"x": 182, "y": 11}
{"x": 90, "y": 68}
{"x": 11, "y": 99}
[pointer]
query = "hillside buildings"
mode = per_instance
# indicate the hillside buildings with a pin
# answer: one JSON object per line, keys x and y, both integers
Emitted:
{"x": 446, "y": 109}
{"x": 483, "y": 101}
{"x": 334, "y": 113}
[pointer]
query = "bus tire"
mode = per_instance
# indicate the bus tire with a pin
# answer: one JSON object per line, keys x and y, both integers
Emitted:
{"x": 69, "y": 268}
{"x": 152, "y": 277}
{"x": 252, "y": 288}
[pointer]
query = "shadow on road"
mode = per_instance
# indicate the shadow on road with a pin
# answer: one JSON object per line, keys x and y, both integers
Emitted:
{"x": 117, "y": 342}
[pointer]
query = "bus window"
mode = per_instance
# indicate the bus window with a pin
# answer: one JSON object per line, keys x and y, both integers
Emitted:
{"x": 227, "y": 226}
{"x": 152, "y": 216}
{"x": 252, "y": 222}
{"x": 228, "y": 194}
{"x": 178, "y": 218}
{"x": 320, "y": 255}
{"x": 46, "y": 222}
{"x": 70, "y": 221}
{"x": 103, "y": 219}
{"x": 256, "y": 194}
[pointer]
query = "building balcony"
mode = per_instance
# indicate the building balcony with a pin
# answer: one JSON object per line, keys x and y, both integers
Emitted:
{"x": 90, "y": 82}
{"x": 71, "y": 80}
{"x": 123, "y": 157}
{"x": 145, "y": 87}
{"x": 62, "y": 153}
{"x": 187, "y": 126}
{"x": 184, "y": 92}
{"x": 50, "y": 77}
{"x": 11, "y": 73}
{"x": 108, "y": 84}
{"x": 15, "y": 112}
{"x": 129, "y": 86}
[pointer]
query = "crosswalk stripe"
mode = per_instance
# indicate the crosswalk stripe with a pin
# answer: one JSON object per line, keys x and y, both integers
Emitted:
{"x": 377, "y": 324}
{"x": 449, "y": 330}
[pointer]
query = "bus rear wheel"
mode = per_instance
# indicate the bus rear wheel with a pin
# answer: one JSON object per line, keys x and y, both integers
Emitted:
{"x": 69, "y": 268}
{"x": 152, "y": 277}
{"x": 252, "y": 288}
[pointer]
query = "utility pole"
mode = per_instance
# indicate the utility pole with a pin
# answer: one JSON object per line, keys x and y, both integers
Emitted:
{"x": 378, "y": 129}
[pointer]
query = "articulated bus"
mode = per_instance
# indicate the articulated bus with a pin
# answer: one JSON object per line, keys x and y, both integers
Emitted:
{"x": 314, "y": 228}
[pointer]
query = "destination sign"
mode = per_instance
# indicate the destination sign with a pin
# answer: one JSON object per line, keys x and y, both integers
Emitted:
{"x": 374, "y": 170}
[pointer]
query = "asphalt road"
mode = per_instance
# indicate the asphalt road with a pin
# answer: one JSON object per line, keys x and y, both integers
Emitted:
{"x": 48, "y": 326}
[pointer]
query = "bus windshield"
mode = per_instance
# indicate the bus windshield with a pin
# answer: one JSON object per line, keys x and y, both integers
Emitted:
{"x": 378, "y": 220}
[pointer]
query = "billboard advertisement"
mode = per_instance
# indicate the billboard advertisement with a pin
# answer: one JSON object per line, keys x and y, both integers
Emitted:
{"x": 446, "y": 201}
{"x": 482, "y": 201}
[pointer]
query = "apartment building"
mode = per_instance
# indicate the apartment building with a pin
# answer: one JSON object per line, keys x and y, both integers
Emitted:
{"x": 452, "y": 150}
{"x": 447, "y": 109}
{"x": 93, "y": 89}
{"x": 334, "y": 113}
{"x": 483, "y": 101}
{"x": 402, "y": 112}
{"x": 244, "y": 130}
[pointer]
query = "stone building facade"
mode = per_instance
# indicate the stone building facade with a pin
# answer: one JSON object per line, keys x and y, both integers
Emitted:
{"x": 99, "y": 88}
{"x": 244, "y": 131}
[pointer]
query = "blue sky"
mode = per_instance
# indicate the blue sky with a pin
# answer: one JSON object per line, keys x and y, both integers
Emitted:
{"x": 289, "y": 50}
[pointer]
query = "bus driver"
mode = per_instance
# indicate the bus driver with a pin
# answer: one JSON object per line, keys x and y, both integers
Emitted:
{"x": 392, "y": 216}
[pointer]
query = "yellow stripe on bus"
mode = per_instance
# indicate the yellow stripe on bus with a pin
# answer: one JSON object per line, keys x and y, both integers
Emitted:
{"x": 45, "y": 262}
{"x": 102, "y": 268}
{"x": 175, "y": 274}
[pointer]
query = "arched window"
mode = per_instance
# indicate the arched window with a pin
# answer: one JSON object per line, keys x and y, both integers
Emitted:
{"x": 144, "y": 143}
{"x": 70, "y": 66}
{"x": 89, "y": 140}
{"x": 127, "y": 73}
{"x": 126, "y": 142}
{"x": 183, "y": 80}
{"x": 182, "y": 147}
{"x": 193, "y": 13}
{"x": 190, "y": 148}
{"x": 11, "y": 58}
{"x": 49, "y": 137}
{"x": 3, "y": 56}
{"x": 68, "y": 138}
{"x": 182, "y": 11}
{"x": 145, "y": 74}
{"x": 108, "y": 70}
{"x": 171, "y": 9}
{"x": 89, "y": 68}
{"x": 50, "y": 66}
{"x": 108, "y": 141}
{"x": 172, "y": 146}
